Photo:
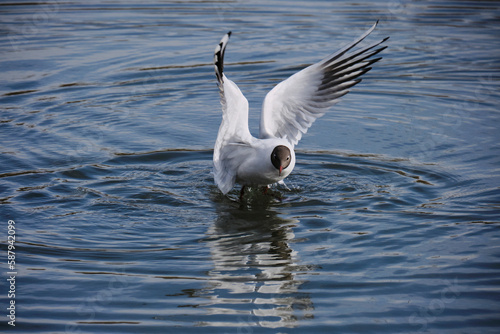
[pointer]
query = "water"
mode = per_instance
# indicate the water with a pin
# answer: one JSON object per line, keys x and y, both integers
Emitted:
{"x": 388, "y": 224}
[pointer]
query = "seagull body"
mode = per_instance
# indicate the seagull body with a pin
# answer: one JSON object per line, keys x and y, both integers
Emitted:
{"x": 289, "y": 109}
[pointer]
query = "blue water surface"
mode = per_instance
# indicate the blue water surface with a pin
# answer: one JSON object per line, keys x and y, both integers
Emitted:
{"x": 389, "y": 223}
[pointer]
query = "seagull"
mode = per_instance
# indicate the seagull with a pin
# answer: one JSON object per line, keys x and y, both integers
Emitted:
{"x": 288, "y": 111}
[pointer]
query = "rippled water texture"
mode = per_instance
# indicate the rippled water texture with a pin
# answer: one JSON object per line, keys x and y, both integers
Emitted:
{"x": 388, "y": 224}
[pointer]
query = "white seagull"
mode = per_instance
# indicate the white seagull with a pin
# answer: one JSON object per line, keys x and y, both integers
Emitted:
{"x": 289, "y": 109}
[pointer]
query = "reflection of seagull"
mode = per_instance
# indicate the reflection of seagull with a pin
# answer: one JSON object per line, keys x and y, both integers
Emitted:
{"x": 256, "y": 274}
{"x": 289, "y": 110}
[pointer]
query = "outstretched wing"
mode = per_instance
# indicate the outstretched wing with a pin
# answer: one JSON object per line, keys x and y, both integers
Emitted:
{"x": 233, "y": 131}
{"x": 293, "y": 105}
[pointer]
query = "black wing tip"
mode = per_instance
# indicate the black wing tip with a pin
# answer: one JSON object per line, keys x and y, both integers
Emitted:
{"x": 379, "y": 49}
{"x": 375, "y": 25}
{"x": 219, "y": 57}
{"x": 386, "y": 38}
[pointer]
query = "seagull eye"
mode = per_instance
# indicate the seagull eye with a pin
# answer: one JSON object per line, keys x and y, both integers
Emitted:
{"x": 287, "y": 158}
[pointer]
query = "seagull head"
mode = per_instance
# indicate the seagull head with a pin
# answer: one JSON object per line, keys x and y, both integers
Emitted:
{"x": 281, "y": 157}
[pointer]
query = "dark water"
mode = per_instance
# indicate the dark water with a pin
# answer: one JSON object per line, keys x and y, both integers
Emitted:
{"x": 389, "y": 223}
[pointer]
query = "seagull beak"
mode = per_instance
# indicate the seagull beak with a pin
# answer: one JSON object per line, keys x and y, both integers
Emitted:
{"x": 281, "y": 169}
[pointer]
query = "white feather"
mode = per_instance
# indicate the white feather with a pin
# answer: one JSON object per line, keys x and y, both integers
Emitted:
{"x": 288, "y": 111}
{"x": 292, "y": 106}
